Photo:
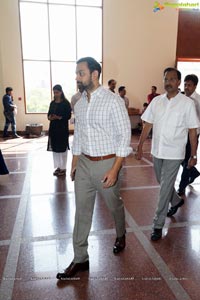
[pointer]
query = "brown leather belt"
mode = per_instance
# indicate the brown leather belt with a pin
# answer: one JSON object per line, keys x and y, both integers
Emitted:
{"x": 98, "y": 158}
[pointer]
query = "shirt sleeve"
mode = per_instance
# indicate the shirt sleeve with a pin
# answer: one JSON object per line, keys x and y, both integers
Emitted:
{"x": 192, "y": 120}
{"x": 76, "y": 146}
{"x": 121, "y": 123}
{"x": 148, "y": 115}
{"x": 7, "y": 103}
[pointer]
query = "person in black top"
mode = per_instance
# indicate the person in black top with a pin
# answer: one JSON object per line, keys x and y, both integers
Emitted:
{"x": 3, "y": 167}
{"x": 59, "y": 113}
{"x": 9, "y": 108}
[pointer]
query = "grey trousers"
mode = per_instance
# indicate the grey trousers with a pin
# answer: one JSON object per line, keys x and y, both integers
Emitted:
{"x": 166, "y": 171}
{"x": 87, "y": 182}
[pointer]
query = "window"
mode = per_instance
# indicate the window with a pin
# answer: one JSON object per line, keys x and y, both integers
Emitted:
{"x": 55, "y": 33}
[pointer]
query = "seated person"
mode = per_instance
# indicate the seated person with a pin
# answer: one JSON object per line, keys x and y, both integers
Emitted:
{"x": 145, "y": 104}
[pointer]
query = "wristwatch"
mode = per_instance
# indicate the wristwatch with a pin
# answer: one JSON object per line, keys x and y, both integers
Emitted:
{"x": 194, "y": 157}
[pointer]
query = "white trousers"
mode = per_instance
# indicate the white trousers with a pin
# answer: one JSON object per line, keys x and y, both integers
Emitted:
{"x": 60, "y": 160}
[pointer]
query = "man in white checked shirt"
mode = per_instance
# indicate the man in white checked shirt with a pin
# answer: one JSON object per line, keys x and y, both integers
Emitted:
{"x": 101, "y": 141}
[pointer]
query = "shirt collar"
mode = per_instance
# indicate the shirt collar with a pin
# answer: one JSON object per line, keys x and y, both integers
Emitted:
{"x": 96, "y": 92}
{"x": 177, "y": 95}
{"x": 193, "y": 95}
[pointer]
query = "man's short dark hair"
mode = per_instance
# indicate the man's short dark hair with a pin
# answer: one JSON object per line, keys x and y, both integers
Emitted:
{"x": 121, "y": 88}
{"x": 145, "y": 104}
{"x": 93, "y": 65}
{"x": 110, "y": 81}
{"x": 173, "y": 70}
{"x": 155, "y": 87}
{"x": 193, "y": 78}
{"x": 8, "y": 89}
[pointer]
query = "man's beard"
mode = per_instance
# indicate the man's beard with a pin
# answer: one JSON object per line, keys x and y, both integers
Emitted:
{"x": 81, "y": 87}
{"x": 85, "y": 87}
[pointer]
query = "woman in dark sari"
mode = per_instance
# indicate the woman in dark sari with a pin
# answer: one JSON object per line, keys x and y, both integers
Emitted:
{"x": 59, "y": 113}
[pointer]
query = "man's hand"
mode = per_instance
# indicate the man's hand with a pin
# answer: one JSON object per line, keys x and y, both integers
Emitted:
{"x": 73, "y": 167}
{"x": 72, "y": 174}
{"x": 109, "y": 178}
{"x": 192, "y": 162}
{"x": 145, "y": 132}
{"x": 138, "y": 153}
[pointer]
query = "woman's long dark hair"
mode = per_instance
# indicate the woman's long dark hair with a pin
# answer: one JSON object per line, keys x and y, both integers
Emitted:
{"x": 58, "y": 87}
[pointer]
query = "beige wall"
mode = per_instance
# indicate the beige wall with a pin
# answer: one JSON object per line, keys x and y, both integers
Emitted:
{"x": 137, "y": 45}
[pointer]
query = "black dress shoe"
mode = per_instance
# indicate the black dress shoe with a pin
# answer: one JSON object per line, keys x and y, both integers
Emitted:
{"x": 156, "y": 234}
{"x": 192, "y": 178}
{"x": 120, "y": 244}
{"x": 174, "y": 209}
{"x": 73, "y": 269}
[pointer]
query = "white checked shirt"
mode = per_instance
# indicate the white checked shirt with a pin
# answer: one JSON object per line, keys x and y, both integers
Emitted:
{"x": 171, "y": 121}
{"x": 102, "y": 126}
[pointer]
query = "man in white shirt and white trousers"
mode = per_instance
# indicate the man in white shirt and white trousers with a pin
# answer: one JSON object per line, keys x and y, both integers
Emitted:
{"x": 172, "y": 116}
{"x": 102, "y": 138}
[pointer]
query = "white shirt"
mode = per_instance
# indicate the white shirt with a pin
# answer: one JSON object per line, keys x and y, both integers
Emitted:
{"x": 171, "y": 120}
{"x": 102, "y": 125}
{"x": 196, "y": 98}
{"x": 75, "y": 99}
{"x": 126, "y": 101}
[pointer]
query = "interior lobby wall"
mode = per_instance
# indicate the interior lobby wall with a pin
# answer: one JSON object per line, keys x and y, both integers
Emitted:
{"x": 137, "y": 45}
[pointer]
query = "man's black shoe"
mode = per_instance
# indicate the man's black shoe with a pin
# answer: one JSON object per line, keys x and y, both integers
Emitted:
{"x": 72, "y": 270}
{"x": 174, "y": 209}
{"x": 119, "y": 245}
{"x": 192, "y": 178}
{"x": 156, "y": 234}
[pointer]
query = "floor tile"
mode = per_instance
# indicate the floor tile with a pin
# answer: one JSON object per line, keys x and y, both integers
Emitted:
{"x": 180, "y": 248}
{"x": 8, "y": 212}
{"x": 110, "y": 276}
{"x": 11, "y": 184}
{"x": 141, "y": 204}
{"x": 138, "y": 177}
{"x": 3, "y": 256}
{"x": 16, "y": 164}
{"x": 54, "y": 214}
